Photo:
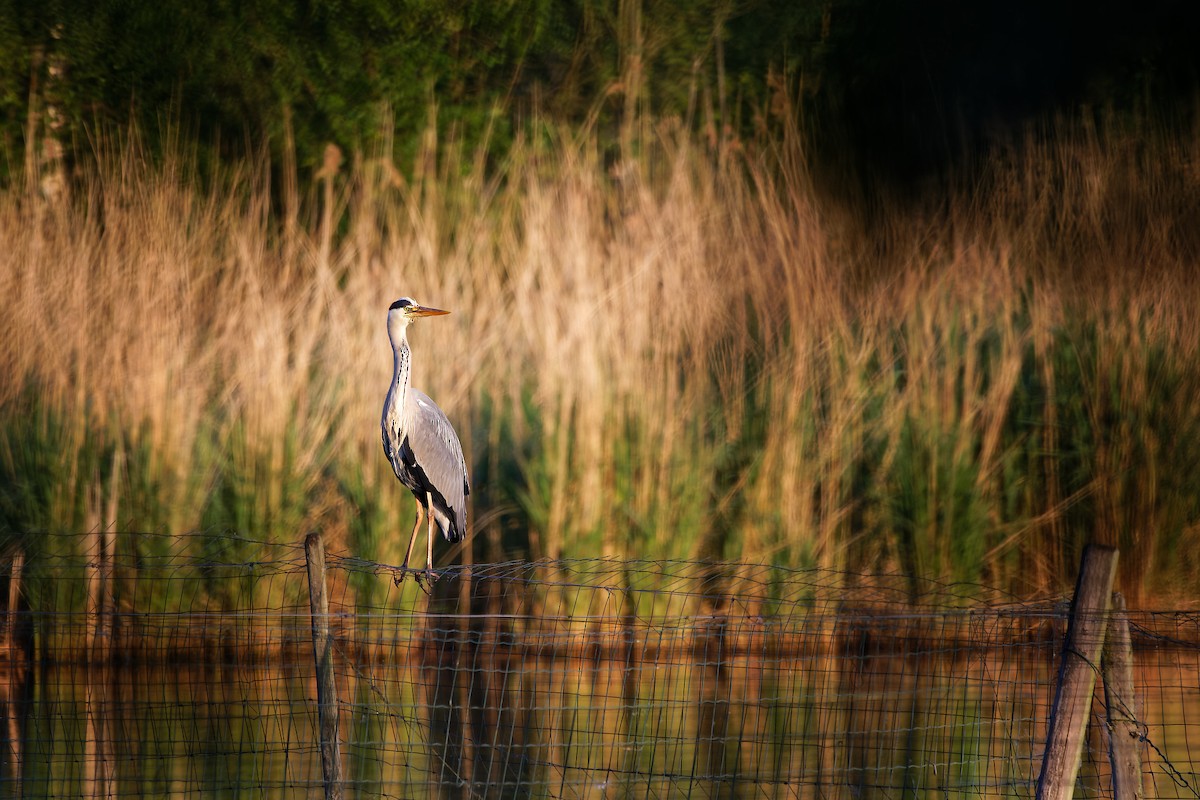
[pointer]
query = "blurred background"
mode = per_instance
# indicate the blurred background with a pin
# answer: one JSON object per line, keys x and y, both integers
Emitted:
{"x": 900, "y": 287}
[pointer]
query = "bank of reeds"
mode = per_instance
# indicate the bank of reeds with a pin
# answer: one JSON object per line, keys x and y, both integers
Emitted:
{"x": 682, "y": 355}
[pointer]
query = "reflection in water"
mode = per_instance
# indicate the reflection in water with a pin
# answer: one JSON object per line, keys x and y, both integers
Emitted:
{"x": 466, "y": 720}
{"x": 564, "y": 702}
{"x": 204, "y": 730}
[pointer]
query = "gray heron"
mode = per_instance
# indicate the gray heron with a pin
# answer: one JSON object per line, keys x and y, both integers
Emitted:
{"x": 421, "y": 443}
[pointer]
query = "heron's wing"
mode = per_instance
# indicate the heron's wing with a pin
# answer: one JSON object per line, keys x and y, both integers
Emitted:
{"x": 392, "y": 440}
{"x": 438, "y": 453}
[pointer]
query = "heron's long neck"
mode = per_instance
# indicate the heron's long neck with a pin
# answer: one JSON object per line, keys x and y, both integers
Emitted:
{"x": 402, "y": 369}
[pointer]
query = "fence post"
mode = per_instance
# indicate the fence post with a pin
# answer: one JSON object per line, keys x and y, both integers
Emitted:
{"x": 327, "y": 701}
{"x": 12, "y": 685}
{"x": 1117, "y": 665}
{"x": 1077, "y": 673}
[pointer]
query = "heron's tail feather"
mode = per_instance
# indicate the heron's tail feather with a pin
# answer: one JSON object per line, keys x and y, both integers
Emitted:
{"x": 450, "y": 531}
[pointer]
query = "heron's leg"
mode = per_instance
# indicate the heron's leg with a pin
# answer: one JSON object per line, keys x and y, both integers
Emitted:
{"x": 413, "y": 539}
{"x": 429, "y": 552}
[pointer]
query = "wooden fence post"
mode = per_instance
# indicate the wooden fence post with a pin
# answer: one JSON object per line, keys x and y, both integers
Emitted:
{"x": 17, "y": 661}
{"x": 1117, "y": 665}
{"x": 1077, "y": 673}
{"x": 327, "y": 700}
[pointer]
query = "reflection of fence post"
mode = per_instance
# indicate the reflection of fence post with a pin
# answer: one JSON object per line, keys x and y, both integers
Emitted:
{"x": 711, "y": 653}
{"x": 1117, "y": 665}
{"x": 327, "y": 701}
{"x": 1077, "y": 673}
{"x": 97, "y": 745}
{"x": 444, "y": 649}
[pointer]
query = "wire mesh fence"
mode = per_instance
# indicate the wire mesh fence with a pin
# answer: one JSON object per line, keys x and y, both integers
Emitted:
{"x": 191, "y": 673}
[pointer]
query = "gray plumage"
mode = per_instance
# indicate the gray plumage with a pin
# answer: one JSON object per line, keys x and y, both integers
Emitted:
{"x": 419, "y": 440}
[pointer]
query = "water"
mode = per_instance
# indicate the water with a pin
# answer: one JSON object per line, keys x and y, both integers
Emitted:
{"x": 585, "y": 679}
{"x": 460, "y": 707}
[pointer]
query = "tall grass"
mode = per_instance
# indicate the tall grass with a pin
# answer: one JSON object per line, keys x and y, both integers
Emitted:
{"x": 682, "y": 356}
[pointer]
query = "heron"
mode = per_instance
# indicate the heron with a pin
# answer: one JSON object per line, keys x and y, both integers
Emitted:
{"x": 421, "y": 443}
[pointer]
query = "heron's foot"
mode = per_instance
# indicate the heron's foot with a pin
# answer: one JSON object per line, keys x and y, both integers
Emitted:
{"x": 402, "y": 572}
{"x": 421, "y": 578}
{"x": 424, "y": 578}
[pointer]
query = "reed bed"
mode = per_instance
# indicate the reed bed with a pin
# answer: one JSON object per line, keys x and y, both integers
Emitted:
{"x": 684, "y": 354}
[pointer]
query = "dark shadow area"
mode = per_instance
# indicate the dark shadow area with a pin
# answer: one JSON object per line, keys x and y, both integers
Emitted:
{"x": 911, "y": 91}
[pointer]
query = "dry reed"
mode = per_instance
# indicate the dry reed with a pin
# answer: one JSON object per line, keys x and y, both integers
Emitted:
{"x": 681, "y": 356}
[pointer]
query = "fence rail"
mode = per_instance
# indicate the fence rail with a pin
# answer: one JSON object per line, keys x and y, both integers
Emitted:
{"x": 190, "y": 676}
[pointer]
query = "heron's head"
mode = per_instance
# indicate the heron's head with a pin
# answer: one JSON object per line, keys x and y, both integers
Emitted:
{"x": 404, "y": 311}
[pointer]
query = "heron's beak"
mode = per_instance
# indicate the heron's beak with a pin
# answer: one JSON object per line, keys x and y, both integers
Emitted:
{"x": 426, "y": 311}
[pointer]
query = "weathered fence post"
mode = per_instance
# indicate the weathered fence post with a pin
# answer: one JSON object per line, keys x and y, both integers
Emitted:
{"x": 1077, "y": 673}
{"x": 13, "y": 685}
{"x": 1117, "y": 665}
{"x": 327, "y": 701}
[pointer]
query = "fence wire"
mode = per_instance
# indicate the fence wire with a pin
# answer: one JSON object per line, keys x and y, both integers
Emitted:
{"x": 190, "y": 672}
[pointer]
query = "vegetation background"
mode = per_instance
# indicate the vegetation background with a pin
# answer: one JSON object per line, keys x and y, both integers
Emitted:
{"x": 864, "y": 285}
